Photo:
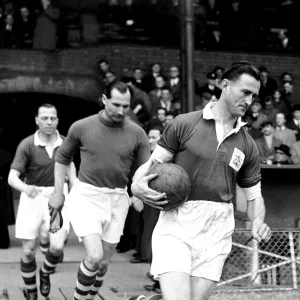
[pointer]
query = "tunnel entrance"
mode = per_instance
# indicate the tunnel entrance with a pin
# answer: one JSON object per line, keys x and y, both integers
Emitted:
{"x": 17, "y": 114}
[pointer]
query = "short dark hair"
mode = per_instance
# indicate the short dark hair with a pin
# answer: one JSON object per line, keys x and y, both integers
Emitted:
{"x": 46, "y": 105}
{"x": 156, "y": 127}
{"x": 103, "y": 60}
{"x": 239, "y": 68}
{"x": 119, "y": 86}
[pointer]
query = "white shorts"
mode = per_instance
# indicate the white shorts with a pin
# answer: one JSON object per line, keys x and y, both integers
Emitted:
{"x": 97, "y": 210}
{"x": 34, "y": 212}
{"x": 195, "y": 239}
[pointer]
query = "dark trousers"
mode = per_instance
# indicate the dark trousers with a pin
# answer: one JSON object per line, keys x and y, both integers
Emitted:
{"x": 150, "y": 218}
{"x": 4, "y": 236}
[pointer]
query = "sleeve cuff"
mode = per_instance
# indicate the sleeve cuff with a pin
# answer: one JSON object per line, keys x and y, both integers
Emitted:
{"x": 162, "y": 155}
{"x": 253, "y": 192}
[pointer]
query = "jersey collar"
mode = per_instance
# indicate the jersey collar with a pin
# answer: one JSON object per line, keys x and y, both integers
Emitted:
{"x": 38, "y": 142}
{"x": 208, "y": 115}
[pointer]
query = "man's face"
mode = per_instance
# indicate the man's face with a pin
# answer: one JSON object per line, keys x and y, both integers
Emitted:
{"x": 287, "y": 77}
{"x": 166, "y": 95}
{"x": 296, "y": 114}
{"x": 267, "y": 130}
{"x": 24, "y": 12}
{"x": 156, "y": 68}
{"x": 255, "y": 107}
{"x": 240, "y": 94}
{"x": 117, "y": 106}
{"x": 174, "y": 72}
{"x": 9, "y": 19}
{"x": 154, "y": 136}
{"x": 280, "y": 156}
{"x": 47, "y": 120}
{"x": 277, "y": 95}
{"x": 280, "y": 119}
{"x": 161, "y": 115}
{"x": 138, "y": 74}
{"x": 159, "y": 82}
{"x": 169, "y": 119}
{"x": 268, "y": 104}
{"x": 212, "y": 81}
{"x": 104, "y": 67}
{"x": 287, "y": 87}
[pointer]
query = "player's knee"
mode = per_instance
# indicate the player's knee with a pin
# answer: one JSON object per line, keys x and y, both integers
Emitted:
{"x": 93, "y": 260}
{"x": 102, "y": 270}
{"x": 56, "y": 250}
{"x": 29, "y": 253}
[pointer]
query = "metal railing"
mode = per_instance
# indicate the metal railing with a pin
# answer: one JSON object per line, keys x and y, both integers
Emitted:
{"x": 274, "y": 265}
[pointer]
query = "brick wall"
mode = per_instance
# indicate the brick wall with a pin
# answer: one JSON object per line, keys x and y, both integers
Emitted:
{"x": 83, "y": 61}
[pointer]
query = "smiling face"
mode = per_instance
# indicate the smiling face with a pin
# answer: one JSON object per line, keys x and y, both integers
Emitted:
{"x": 239, "y": 94}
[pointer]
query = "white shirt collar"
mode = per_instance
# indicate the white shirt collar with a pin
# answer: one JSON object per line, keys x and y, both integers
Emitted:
{"x": 38, "y": 142}
{"x": 208, "y": 115}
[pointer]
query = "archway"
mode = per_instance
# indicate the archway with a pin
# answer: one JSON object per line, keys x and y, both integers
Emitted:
{"x": 17, "y": 114}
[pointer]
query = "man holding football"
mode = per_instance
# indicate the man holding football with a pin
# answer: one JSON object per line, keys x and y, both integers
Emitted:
{"x": 190, "y": 244}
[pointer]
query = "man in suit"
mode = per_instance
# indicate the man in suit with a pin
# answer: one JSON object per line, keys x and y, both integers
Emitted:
{"x": 174, "y": 82}
{"x": 165, "y": 101}
{"x": 295, "y": 152}
{"x": 287, "y": 136}
{"x": 294, "y": 123}
{"x": 267, "y": 142}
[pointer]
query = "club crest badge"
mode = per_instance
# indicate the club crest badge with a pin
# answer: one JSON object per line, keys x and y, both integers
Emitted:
{"x": 237, "y": 159}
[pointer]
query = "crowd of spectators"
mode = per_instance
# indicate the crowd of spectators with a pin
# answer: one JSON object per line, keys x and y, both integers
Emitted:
{"x": 273, "y": 119}
{"x": 219, "y": 24}
{"x": 29, "y": 26}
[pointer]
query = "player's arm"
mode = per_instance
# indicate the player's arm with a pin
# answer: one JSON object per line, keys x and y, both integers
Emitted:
{"x": 63, "y": 159}
{"x": 71, "y": 174}
{"x": 15, "y": 182}
{"x": 140, "y": 188}
{"x": 249, "y": 179}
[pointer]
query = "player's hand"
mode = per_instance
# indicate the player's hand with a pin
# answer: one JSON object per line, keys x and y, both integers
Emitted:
{"x": 57, "y": 223}
{"x": 137, "y": 204}
{"x": 31, "y": 190}
{"x": 55, "y": 204}
{"x": 261, "y": 231}
{"x": 141, "y": 190}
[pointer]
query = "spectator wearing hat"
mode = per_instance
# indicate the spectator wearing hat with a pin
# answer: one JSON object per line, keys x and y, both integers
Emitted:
{"x": 255, "y": 118}
{"x": 295, "y": 153}
{"x": 282, "y": 155}
{"x": 211, "y": 86}
{"x": 269, "y": 84}
{"x": 294, "y": 123}
{"x": 287, "y": 136}
{"x": 267, "y": 142}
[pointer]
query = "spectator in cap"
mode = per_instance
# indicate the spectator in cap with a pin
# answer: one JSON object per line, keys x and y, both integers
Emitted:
{"x": 267, "y": 142}
{"x": 269, "y": 84}
{"x": 295, "y": 153}
{"x": 287, "y": 136}
{"x": 211, "y": 87}
{"x": 282, "y": 155}
{"x": 294, "y": 123}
